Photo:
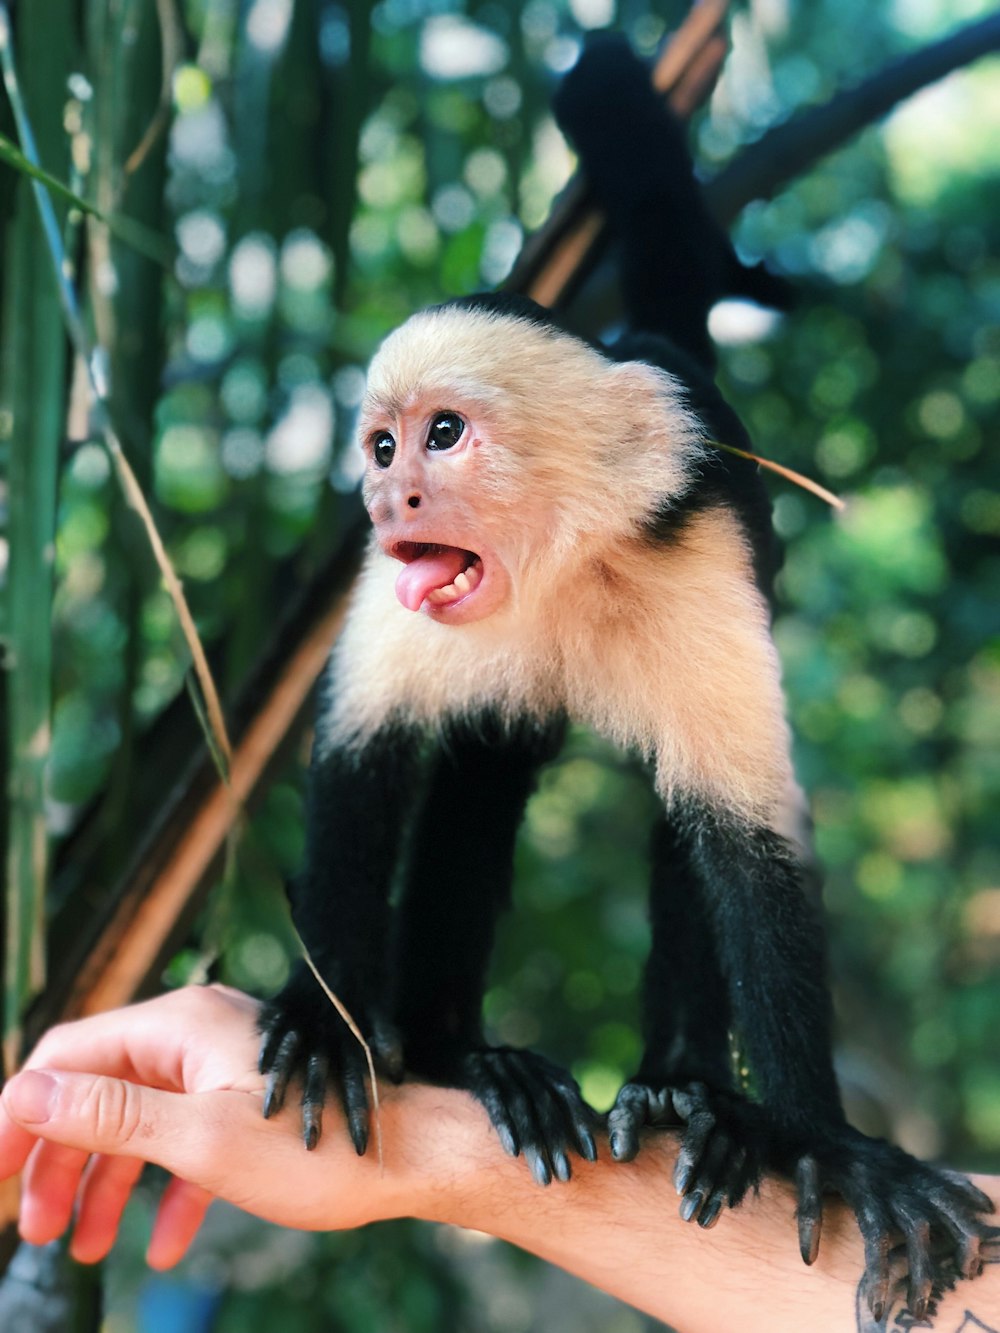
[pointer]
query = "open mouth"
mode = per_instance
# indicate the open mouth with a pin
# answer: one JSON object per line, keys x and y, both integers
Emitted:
{"x": 438, "y": 575}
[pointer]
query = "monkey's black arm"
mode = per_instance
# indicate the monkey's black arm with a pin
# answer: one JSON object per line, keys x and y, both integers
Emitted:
{"x": 687, "y": 1018}
{"x": 355, "y": 819}
{"x": 686, "y": 1014}
{"x": 686, "y": 1011}
{"x": 459, "y": 873}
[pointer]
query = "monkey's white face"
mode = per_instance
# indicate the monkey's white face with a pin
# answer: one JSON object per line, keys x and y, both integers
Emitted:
{"x": 504, "y": 461}
{"x": 426, "y": 470}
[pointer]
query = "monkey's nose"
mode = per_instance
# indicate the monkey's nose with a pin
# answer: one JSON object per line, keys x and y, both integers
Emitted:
{"x": 413, "y": 500}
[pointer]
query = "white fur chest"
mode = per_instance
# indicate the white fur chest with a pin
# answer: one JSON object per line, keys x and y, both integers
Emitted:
{"x": 667, "y": 652}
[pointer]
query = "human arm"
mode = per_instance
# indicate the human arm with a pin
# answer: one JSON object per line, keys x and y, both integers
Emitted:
{"x": 178, "y": 1087}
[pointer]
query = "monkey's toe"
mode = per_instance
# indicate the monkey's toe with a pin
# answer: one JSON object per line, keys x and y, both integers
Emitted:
{"x": 894, "y": 1195}
{"x": 535, "y": 1107}
{"x": 722, "y": 1147}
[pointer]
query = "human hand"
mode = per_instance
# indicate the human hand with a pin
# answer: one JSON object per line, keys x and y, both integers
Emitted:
{"x": 174, "y": 1081}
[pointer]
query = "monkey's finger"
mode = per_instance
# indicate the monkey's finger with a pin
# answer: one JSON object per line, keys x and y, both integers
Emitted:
{"x": 387, "y": 1047}
{"x": 550, "y": 1111}
{"x": 280, "y": 1068}
{"x": 809, "y": 1213}
{"x": 967, "y": 1235}
{"x": 547, "y": 1115}
{"x": 689, "y": 1099}
{"x": 522, "y": 1112}
{"x": 481, "y": 1083}
{"x": 711, "y": 1169}
{"x": 629, "y": 1113}
{"x": 730, "y": 1185}
{"x": 746, "y": 1174}
{"x": 274, "y": 1035}
{"x": 579, "y": 1118}
{"x": 875, "y": 1227}
{"x": 354, "y": 1097}
{"x": 313, "y": 1096}
{"x": 696, "y": 1136}
{"x": 917, "y": 1233}
{"x": 969, "y": 1192}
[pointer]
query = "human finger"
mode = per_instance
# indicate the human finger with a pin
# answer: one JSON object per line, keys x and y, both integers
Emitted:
{"x": 181, "y": 1212}
{"x": 191, "y": 1039}
{"x": 49, "y": 1187}
{"x": 104, "y": 1191}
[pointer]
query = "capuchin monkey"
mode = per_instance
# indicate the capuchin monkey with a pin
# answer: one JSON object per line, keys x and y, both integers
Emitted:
{"x": 556, "y": 536}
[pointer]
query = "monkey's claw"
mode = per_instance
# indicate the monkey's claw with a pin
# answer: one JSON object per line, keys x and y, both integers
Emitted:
{"x": 305, "y": 1040}
{"x": 722, "y": 1144}
{"x": 535, "y": 1106}
{"x": 893, "y": 1194}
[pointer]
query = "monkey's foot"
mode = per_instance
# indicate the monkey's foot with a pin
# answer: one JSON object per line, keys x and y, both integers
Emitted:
{"x": 892, "y": 1194}
{"x": 307, "y": 1041}
{"x": 724, "y": 1141}
{"x": 535, "y": 1106}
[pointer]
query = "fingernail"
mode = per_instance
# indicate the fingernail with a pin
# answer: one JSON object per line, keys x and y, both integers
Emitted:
{"x": 690, "y": 1205}
{"x": 31, "y": 1097}
{"x": 561, "y": 1166}
{"x": 507, "y": 1141}
{"x": 539, "y": 1169}
{"x": 682, "y": 1175}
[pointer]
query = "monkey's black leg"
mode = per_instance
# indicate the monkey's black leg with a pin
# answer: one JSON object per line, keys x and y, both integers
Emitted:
{"x": 686, "y": 1023}
{"x": 458, "y": 881}
{"x": 771, "y": 952}
{"x": 357, "y": 798}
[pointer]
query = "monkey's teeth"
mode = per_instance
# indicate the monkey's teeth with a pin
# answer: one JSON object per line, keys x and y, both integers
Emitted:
{"x": 463, "y": 583}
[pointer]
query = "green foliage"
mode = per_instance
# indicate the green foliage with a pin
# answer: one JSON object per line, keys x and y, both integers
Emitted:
{"x": 330, "y": 168}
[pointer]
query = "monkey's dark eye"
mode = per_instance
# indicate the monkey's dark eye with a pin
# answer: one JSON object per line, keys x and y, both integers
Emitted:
{"x": 383, "y": 448}
{"x": 446, "y": 430}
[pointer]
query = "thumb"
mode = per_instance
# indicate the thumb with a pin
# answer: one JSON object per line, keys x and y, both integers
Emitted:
{"x": 106, "y": 1115}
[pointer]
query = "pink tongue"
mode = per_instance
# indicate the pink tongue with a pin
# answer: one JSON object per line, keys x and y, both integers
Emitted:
{"x": 428, "y": 572}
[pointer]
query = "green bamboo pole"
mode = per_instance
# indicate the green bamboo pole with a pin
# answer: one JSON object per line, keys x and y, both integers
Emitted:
{"x": 133, "y": 51}
{"x": 33, "y": 398}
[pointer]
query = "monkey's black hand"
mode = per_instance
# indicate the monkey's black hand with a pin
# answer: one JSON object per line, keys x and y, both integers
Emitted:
{"x": 724, "y": 1141}
{"x": 535, "y": 1106}
{"x": 306, "y": 1039}
{"x": 891, "y": 1193}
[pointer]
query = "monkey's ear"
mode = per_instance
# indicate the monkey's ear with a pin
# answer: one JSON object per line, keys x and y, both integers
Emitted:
{"x": 655, "y": 398}
{"x": 645, "y": 383}
{"x": 659, "y": 436}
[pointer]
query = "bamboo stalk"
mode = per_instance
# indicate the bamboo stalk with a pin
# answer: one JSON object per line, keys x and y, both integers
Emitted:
{"x": 100, "y": 407}
{"x": 33, "y": 391}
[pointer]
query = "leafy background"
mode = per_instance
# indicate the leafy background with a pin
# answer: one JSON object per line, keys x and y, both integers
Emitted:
{"x": 326, "y": 168}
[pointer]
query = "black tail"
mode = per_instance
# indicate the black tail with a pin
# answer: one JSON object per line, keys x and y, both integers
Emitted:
{"x": 675, "y": 260}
